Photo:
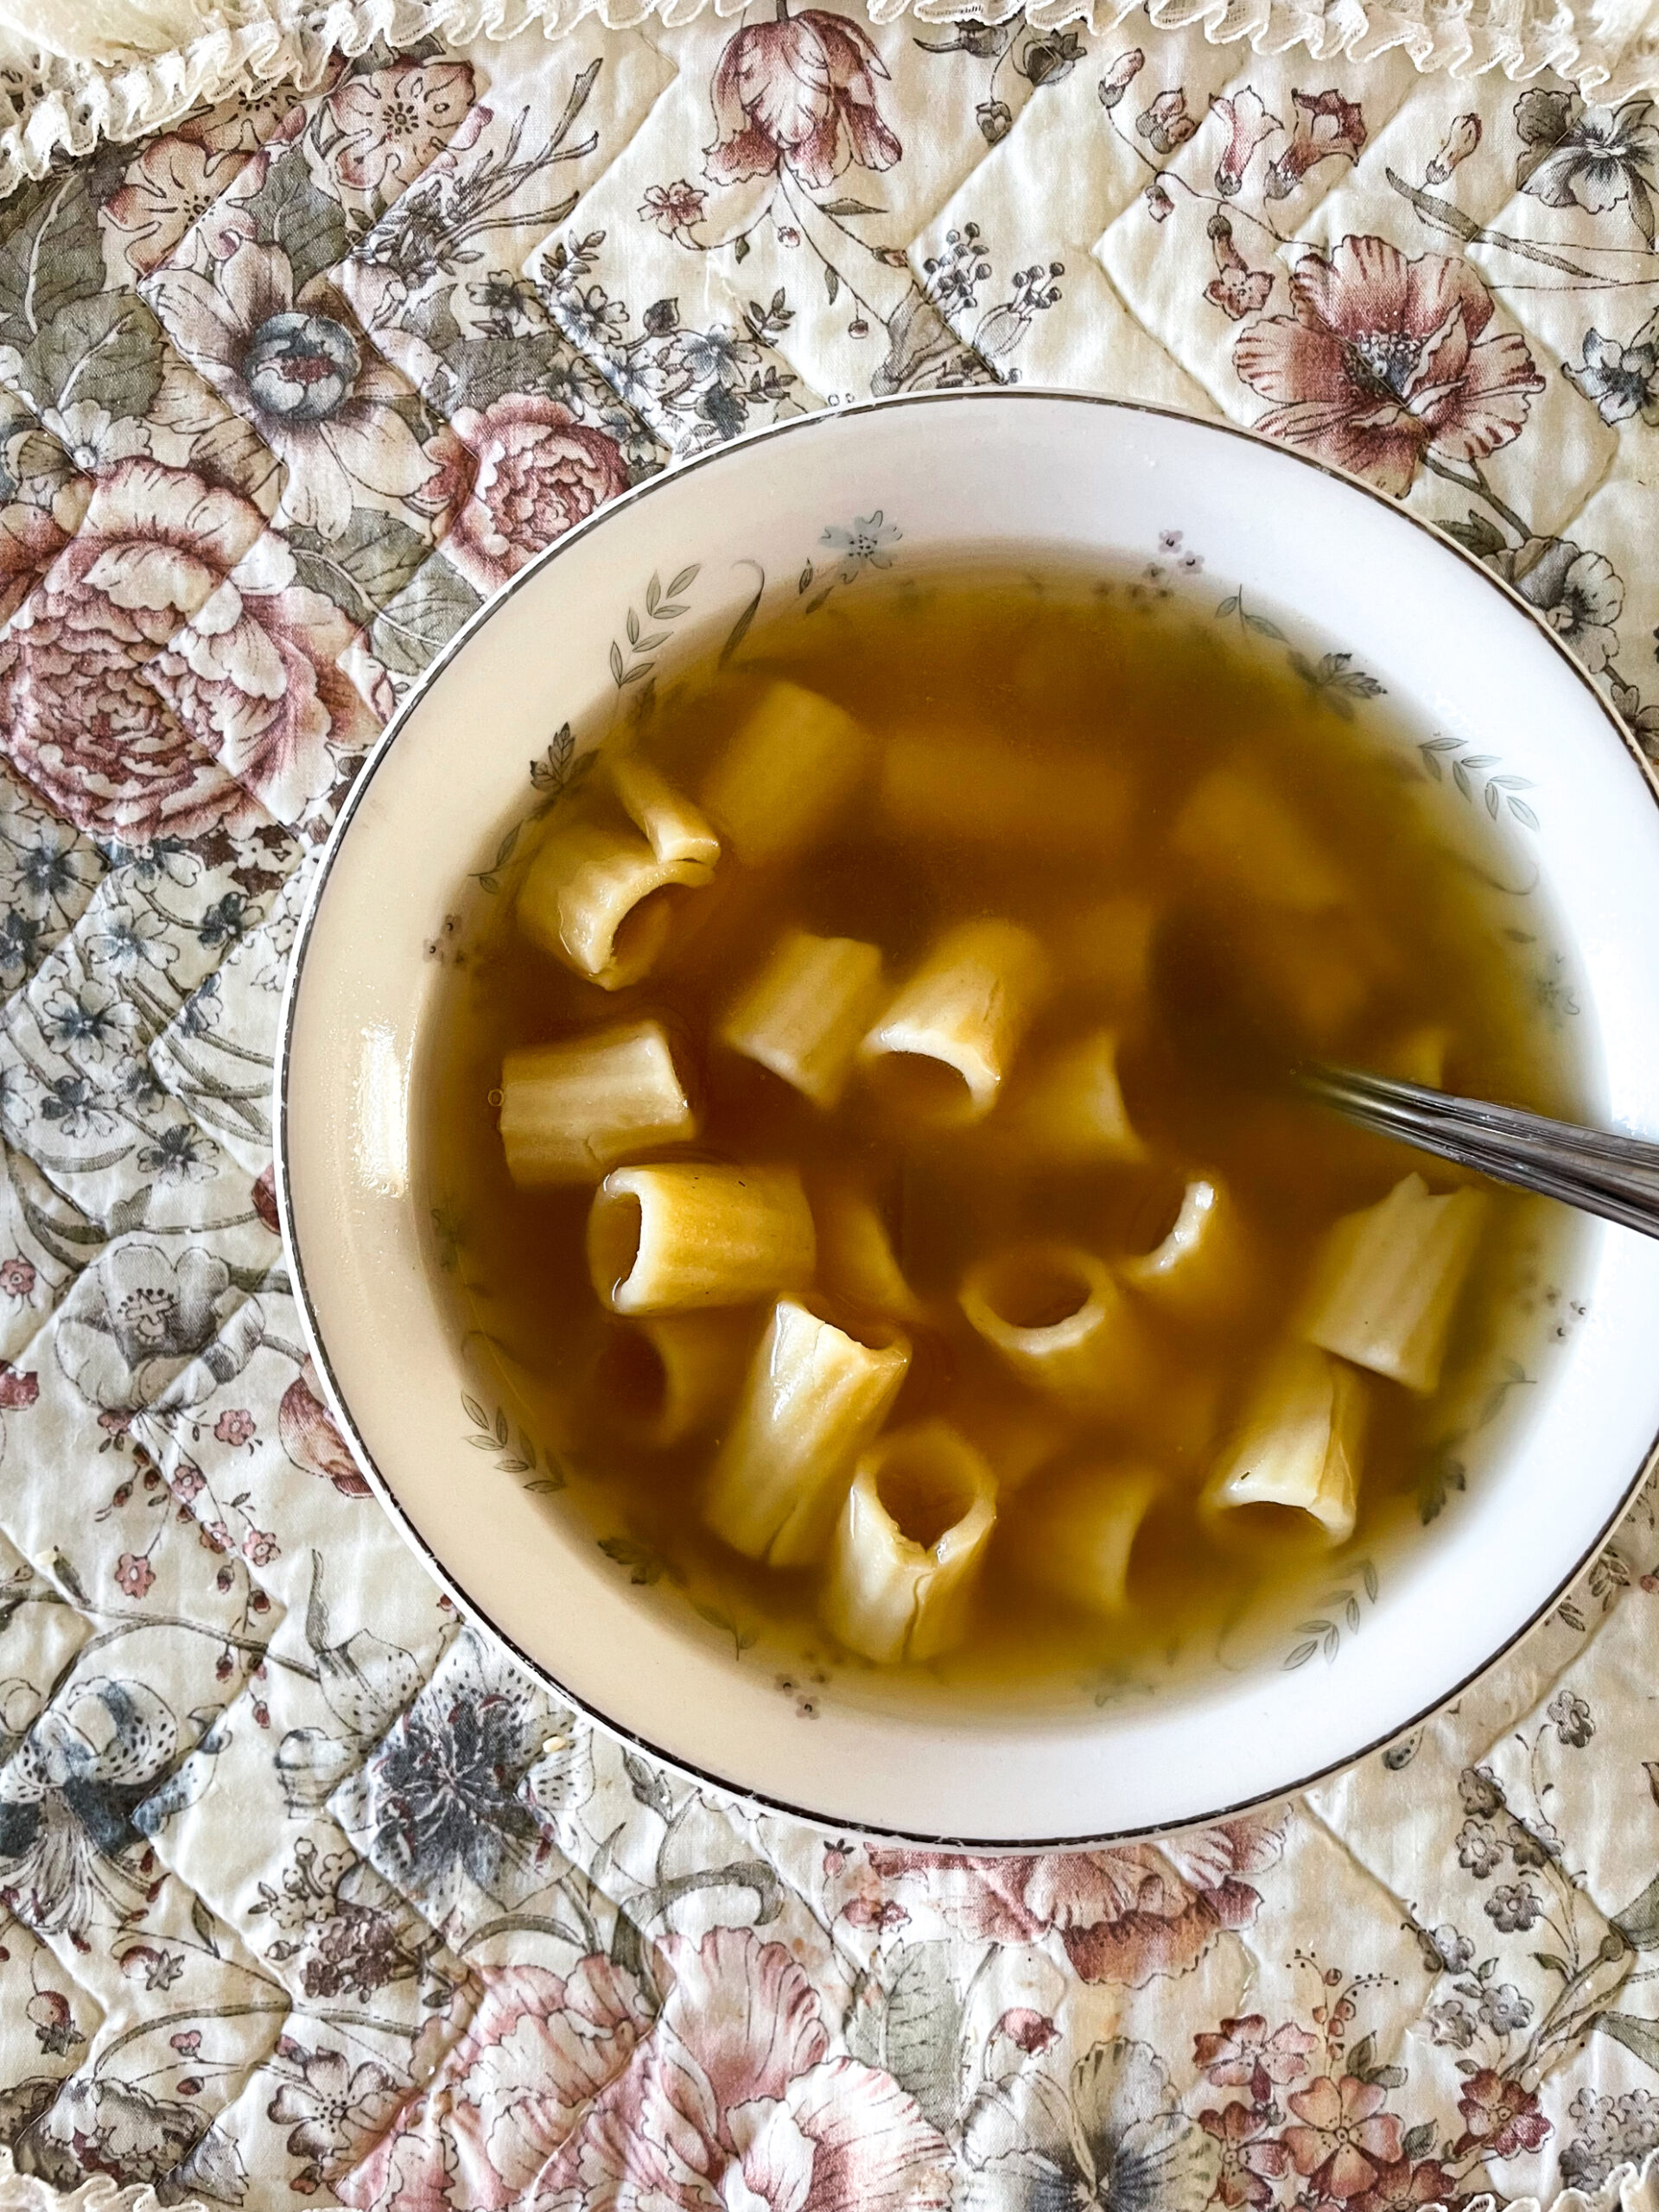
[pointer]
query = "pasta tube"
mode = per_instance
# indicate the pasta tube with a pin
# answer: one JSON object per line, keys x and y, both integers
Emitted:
{"x": 803, "y": 1015}
{"x": 1108, "y": 948}
{"x": 667, "y": 1238}
{"x": 974, "y": 789}
{"x": 570, "y": 1111}
{"x": 942, "y": 1047}
{"x": 855, "y": 1256}
{"x": 814, "y": 1396}
{"x": 1298, "y": 1444}
{"x": 598, "y": 899}
{"x": 672, "y": 826}
{"x": 671, "y": 1375}
{"x": 1385, "y": 1287}
{"x": 1205, "y": 1268}
{"x": 1073, "y": 1533}
{"x": 791, "y": 765}
{"x": 1070, "y": 1107}
{"x": 1242, "y": 834}
{"x": 1057, "y": 1317}
{"x": 909, "y": 1545}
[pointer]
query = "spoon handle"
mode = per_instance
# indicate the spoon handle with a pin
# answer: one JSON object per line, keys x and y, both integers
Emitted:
{"x": 1598, "y": 1171}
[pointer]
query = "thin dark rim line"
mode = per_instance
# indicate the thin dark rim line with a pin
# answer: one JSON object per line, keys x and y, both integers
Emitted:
{"x": 798, "y": 426}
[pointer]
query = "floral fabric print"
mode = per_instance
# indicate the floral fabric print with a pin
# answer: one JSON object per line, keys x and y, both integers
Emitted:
{"x": 306, "y": 1892}
{"x": 1382, "y": 364}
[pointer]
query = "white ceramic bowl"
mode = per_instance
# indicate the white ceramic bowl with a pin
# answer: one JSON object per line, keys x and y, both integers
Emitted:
{"x": 911, "y": 481}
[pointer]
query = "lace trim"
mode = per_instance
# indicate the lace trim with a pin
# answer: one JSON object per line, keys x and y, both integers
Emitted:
{"x": 67, "y": 100}
{"x": 23, "y": 2193}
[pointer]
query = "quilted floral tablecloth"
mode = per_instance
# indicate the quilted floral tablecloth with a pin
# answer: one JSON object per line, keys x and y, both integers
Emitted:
{"x": 304, "y": 1890}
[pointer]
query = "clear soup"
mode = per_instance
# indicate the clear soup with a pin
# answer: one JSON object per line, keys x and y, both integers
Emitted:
{"x": 1017, "y": 1319}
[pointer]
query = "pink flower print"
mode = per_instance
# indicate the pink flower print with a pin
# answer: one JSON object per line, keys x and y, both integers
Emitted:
{"x": 799, "y": 92}
{"x": 310, "y": 1439}
{"x": 1166, "y": 123}
{"x": 736, "y": 2101}
{"x": 1029, "y": 2031}
{"x": 1236, "y": 289}
{"x": 234, "y": 1427}
{"x": 1326, "y": 125}
{"x": 566, "y": 2090}
{"x": 30, "y": 540}
{"x": 524, "y": 470}
{"x": 1460, "y": 141}
{"x": 134, "y": 1573}
{"x": 259, "y": 1548}
{"x": 215, "y": 1536}
{"x": 264, "y": 1201}
{"x": 1250, "y": 2160}
{"x": 1128, "y": 1915}
{"x": 1247, "y": 123}
{"x": 1118, "y": 79}
{"x": 392, "y": 122}
{"x": 537, "y": 2053}
{"x": 1384, "y": 361}
{"x": 1500, "y": 2118}
{"x": 17, "y": 1390}
{"x": 873, "y": 1912}
{"x": 137, "y": 721}
{"x": 1345, "y": 2135}
{"x": 165, "y": 193}
{"x": 671, "y": 207}
{"x": 17, "y": 1277}
{"x": 1244, "y": 2056}
{"x": 1403, "y": 2187}
{"x": 188, "y": 1482}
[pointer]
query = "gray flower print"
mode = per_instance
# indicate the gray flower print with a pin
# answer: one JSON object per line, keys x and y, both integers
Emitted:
{"x": 1479, "y": 1848}
{"x": 1622, "y": 380}
{"x": 1514, "y": 1907}
{"x": 1571, "y": 1714}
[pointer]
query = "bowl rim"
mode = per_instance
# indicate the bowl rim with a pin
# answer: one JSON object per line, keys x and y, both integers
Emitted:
{"x": 469, "y": 1606}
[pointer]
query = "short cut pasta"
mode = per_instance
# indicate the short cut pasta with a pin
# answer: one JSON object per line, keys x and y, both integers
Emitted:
{"x": 909, "y": 1545}
{"x": 814, "y": 1395}
{"x": 1055, "y": 1313}
{"x": 803, "y": 1014}
{"x": 681, "y": 1236}
{"x": 596, "y": 898}
{"x": 571, "y": 1110}
{"x": 941, "y": 1050}
{"x": 794, "y": 762}
{"x": 856, "y": 1151}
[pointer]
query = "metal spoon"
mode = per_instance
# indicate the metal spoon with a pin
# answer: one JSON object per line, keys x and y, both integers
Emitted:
{"x": 1223, "y": 1040}
{"x": 1595, "y": 1170}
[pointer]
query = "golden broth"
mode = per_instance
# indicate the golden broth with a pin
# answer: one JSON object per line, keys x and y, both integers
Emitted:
{"x": 1116, "y": 704}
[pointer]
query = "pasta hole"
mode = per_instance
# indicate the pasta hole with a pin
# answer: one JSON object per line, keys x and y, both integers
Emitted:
{"x": 614, "y": 1227}
{"x": 920, "y": 1088}
{"x": 639, "y": 937}
{"x": 1280, "y": 1529}
{"x": 1153, "y": 1216}
{"x": 1037, "y": 1290}
{"x": 921, "y": 1497}
{"x": 864, "y": 1329}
